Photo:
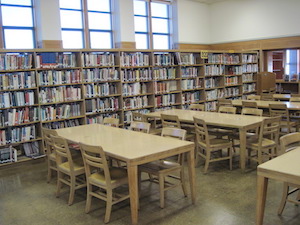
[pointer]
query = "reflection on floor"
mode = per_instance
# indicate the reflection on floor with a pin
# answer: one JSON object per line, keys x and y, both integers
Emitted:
{"x": 223, "y": 197}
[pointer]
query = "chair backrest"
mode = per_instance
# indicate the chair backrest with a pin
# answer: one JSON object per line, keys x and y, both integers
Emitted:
{"x": 170, "y": 120}
{"x": 140, "y": 126}
{"x": 202, "y": 136}
{"x": 224, "y": 102}
{"x": 94, "y": 159}
{"x": 110, "y": 121}
{"x": 253, "y": 97}
{"x": 62, "y": 151}
{"x": 252, "y": 111}
{"x": 227, "y": 109}
{"x": 270, "y": 129}
{"x": 246, "y": 104}
{"x": 197, "y": 107}
{"x": 279, "y": 110}
{"x": 295, "y": 99}
{"x": 173, "y": 132}
{"x": 48, "y": 140}
{"x": 137, "y": 116}
{"x": 295, "y": 95}
{"x": 267, "y": 97}
{"x": 289, "y": 142}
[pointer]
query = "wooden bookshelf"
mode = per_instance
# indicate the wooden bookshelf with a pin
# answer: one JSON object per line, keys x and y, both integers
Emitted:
{"x": 62, "y": 88}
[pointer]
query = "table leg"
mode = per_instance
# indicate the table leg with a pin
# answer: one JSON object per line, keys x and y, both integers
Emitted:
{"x": 242, "y": 133}
{"x": 133, "y": 191}
{"x": 191, "y": 166}
{"x": 262, "y": 185}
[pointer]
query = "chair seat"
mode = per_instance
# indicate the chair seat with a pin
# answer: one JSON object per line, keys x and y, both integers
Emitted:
{"x": 116, "y": 174}
{"x": 78, "y": 167}
{"x": 265, "y": 143}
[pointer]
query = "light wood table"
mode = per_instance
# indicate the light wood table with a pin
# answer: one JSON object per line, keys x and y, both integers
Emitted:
{"x": 241, "y": 122}
{"x": 285, "y": 168}
{"x": 134, "y": 148}
{"x": 293, "y": 106}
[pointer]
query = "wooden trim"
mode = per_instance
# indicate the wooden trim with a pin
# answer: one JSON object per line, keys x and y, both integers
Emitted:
{"x": 126, "y": 45}
{"x": 50, "y": 44}
{"x": 192, "y": 46}
{"x": 263, "y": 44}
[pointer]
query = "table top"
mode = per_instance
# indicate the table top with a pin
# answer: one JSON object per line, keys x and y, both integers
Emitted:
{"x": 126, "y": 145}
{"x": 265, "y": 104}
{"x": 285, "y": 167}
{"x": 211, "y": 118}
{"x": 282, "y": 96}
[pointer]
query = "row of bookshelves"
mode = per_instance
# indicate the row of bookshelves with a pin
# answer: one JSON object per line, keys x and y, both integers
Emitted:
{"x": 57, "y": 89}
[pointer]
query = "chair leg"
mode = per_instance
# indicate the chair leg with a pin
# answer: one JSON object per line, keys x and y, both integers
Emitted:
{"x": 161, "y": 190}
{"x": 72, "y": 190}
{"x": 230, "y": 159}
{"x": 182, "y": 179}
{"x": 298, "y": 196}
{"x": 59, "y": 183}
{"x": 207, "y": 161}
{"x": 49, "y": 172}
{"x": 283, "y": 199}
{"x": 108, "y": 206}
{"x": 88, "y": 199}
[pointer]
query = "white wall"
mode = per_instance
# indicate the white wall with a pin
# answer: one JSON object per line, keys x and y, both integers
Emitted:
{"x": 253, "y": 19}
{"x": 193, "y": 22}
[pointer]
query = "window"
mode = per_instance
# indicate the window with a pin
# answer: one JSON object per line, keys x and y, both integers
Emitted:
{"x": 17, "y": 22}
{"x": 98, "y": 22}
{"x": 152, "y": 24}
{"x": 292, "y": 65}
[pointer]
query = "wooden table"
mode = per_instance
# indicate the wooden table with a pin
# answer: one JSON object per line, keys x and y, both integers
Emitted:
{"x": 285, "y": 168}
{"x": 242, "y": 122}
{"x": 265, "y": 104}
{"x": 134, "y": 148}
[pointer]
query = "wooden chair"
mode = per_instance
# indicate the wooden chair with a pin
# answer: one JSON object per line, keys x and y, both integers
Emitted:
{"x": 253, "y": 97}
{"x": 140, "y": 126}
{"x": 165, "y": 170}
{"x": 267, "y": 97}
{"x": 294, "y": 99}
{"x": 110, "y": 121}
{"x": 136, "y": 116}
{"x": 266, "y": 144}
{"x": 224, "y": 102}
{"x": 50, "y": 152}
{"x": 69, "y": 171}
{"x": 246, "y": 104}
{"x": 102, "y": 181}
{"x": 170, "y": 121}
{"x": 282, "y": 110}
{"x": 197, "y": 107}
{"x": 252, "y": 111}
{"x": 227, "y": 109}
{"x": 206, "y": 146}
{"x": 154, "y": 128}
{"x": 289, "y": 142}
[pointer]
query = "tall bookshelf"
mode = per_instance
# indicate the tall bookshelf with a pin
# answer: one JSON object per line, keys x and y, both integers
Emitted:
{"x": 62, "y": 88}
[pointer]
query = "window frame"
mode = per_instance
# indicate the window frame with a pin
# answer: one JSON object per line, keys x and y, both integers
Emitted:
{"x": 86, "y": 31}
{"x": 32, "y": 29}
{"x": 150, "y": 34}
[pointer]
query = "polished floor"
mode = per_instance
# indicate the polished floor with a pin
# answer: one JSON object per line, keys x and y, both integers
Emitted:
{"x": 223, "y": 197}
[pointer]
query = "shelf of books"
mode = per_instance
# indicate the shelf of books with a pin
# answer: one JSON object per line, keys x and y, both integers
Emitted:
{"x": 63, "y": 88}
{"x": 19, "y": 108}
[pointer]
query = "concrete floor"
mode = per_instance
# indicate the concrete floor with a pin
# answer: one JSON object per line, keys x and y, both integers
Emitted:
{"x": 223, "y": 197}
